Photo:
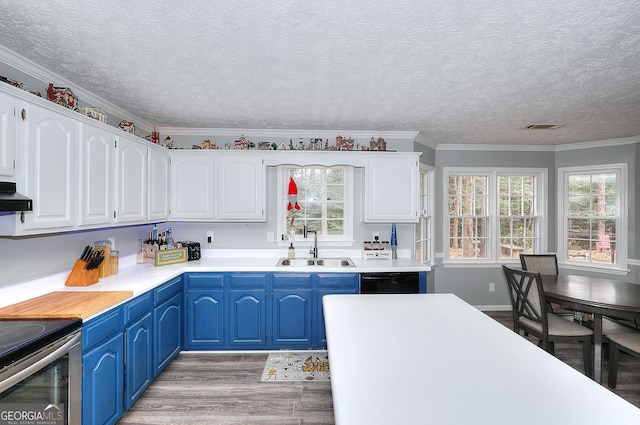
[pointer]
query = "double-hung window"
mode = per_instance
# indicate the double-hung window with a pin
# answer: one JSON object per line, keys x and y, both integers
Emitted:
{"x": 494, "y": 214}
{"x": 592, "y": 211}
{"x": 325, "y": 200}
{"x": 424, "y": 227}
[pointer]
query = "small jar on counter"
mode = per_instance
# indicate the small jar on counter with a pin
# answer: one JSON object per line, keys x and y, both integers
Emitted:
{"x": 113, "y": 262}
{"x": 105, "y": 265}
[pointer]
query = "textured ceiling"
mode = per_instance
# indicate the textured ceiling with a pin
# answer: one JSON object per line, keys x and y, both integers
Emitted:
{"x": 457, "y": 71}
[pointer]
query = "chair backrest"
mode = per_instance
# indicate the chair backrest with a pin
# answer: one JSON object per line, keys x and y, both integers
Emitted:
{"x": 539, "y": 263}
{"x": 527, "y": 298}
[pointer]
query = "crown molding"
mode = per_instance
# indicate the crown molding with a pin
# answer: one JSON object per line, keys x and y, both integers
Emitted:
{"x": 599, "y": 143}
{"x": 541, "y": 148}
{"x": 26, "y": 66}
{"x": 287, "y": 133}
{"x": 486, "y": 147}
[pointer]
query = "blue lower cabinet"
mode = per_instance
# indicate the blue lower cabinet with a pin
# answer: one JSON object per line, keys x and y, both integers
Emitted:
{"x": 331, "y": 283}
{"x": 103, "y": 368}
{"x": 291, "y": 325}
{"x": 103, "y": 382}
{"x": 247, "y": 321}
{"x": 139, "y": 355}
{"x": 205, "y": 319}
{"x": 291, "y": 310}
{"x": 167, "y": 329}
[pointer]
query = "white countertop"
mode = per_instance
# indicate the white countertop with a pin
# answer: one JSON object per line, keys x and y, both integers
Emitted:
{"x": 434, "y": 359}
{"x": 140, "y": 278}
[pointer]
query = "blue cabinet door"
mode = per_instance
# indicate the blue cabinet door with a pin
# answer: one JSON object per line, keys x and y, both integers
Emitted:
{"x": 139, "y": 358}
{"x": 167, "y": 327}
{"x": 291, "y": 324}
{"x": 247, "y": 326}
{"x": 103, "y": 382}
{"x": 205, "y": 318}
{"x": 331, "y": 283}
{"x": 291, "y": 310}
{"x": 247, "y": 309}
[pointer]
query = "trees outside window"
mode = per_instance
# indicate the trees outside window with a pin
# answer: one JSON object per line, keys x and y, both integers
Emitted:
{"x": 592, "y": 223}
{"x": 494, "y": 214}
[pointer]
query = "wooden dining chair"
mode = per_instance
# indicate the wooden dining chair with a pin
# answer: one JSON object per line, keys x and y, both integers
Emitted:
{"x": 544, "y": 264}
{"x": 530, "y": 315}
{"x": 628, "y": 342}
{"x": 540, "y": 263}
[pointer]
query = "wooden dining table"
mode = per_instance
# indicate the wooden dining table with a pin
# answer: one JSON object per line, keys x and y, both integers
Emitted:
{"x": 599, "y": 296}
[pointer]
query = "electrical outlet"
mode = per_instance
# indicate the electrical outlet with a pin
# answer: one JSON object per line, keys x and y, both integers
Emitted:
{"x": 270, "y": 237}
{"x": 210, "y": 236}
{"x": 492, "y": 287}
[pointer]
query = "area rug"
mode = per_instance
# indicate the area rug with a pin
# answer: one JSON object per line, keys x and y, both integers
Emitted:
{"x": 296, "y": 366}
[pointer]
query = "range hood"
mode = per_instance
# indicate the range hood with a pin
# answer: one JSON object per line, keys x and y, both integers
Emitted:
{"x": 10, "y": 200}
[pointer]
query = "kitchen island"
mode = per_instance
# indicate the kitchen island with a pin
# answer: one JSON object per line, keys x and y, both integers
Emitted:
{"x": 434, "y": 359}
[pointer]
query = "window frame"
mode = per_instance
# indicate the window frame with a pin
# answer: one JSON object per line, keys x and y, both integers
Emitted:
{"x": 282, "y": 177}
{"x": 425, "y": 225}
{"x": 622, "y": 225}
{"x": 492, "y": 215}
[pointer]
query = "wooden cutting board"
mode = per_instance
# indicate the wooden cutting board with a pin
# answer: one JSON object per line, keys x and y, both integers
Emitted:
{"x": 80, "y": 304}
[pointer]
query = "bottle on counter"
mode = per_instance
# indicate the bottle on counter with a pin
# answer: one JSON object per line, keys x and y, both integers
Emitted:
{"x": 394, "y": 241}
{"x": 169, "y": 240}
{"x": 154, "y": 233}
{"x": 292, "y": 251}
{"x": 105, "y": 246}
{"x": 140, "y": 254}
{"x": 114, "y": 262}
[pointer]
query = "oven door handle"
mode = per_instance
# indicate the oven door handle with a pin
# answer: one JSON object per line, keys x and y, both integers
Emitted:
{"x": 41, "y": 358}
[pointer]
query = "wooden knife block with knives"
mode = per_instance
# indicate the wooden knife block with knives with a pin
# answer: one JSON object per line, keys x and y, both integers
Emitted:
{"x": 85, "y": 271}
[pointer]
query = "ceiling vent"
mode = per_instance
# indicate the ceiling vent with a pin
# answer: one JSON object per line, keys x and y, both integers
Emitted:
{"x": 542, "y": 126}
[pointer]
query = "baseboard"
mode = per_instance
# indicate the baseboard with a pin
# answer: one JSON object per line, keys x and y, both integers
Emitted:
{"x": 493, "y": 307}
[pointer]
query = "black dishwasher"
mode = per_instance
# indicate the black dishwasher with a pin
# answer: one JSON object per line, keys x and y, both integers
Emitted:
{"x": 390, "y": 283}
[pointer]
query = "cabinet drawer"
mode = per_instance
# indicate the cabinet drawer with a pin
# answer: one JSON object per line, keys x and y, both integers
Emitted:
{"x": 292, "y": 280}
{"x": 248, "y": 280}
{"x": 204, "y": 280}
{"x": 338, "y": 280}
{"x": 101, "y": 327}
{"x": 138, "y": 307}
{"x": 167, "y": 290}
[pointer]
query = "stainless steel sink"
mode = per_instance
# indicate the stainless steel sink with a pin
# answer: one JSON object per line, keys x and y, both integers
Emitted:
{"x": 322, "y": 262}
{"x": 335, "y": 262}
{"x": 296, "y": 262}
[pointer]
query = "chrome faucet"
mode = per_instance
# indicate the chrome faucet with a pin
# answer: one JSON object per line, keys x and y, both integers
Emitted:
{"x": 314, "y": 250}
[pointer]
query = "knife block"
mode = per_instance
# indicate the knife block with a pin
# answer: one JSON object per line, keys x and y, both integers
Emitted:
{"x": 79, "y": 276}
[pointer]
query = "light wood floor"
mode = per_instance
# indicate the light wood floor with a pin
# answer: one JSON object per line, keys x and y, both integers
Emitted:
{"x": 225, "y": 389}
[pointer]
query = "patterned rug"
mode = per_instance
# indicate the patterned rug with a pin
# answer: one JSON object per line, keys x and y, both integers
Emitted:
{"x": 296, "y": 366}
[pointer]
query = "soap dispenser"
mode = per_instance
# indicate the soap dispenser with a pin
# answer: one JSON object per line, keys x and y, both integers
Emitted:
{"x": 292, "y": 251}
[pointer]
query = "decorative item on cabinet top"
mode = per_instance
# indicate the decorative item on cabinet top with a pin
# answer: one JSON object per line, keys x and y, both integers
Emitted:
{"x": 62, "y": 96}
{"x": 315, "y": 144}
{"x": 127, "y": 126}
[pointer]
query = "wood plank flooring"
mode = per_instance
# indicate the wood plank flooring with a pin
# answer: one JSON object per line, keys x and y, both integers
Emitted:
{"x": 225, "y": 389}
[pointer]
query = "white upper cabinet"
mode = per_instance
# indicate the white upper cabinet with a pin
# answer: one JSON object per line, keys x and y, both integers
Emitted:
{"x": 241, "y": 187}
{"x": 192, "y": 185}
{"x": 50, "y": 169}
{"x": 96, "y": 179}
{"x": 391, "y": 188}
{"x": 158, "y": 183}
{"x": 131, "y": 179}
{"x": 7, "y": 134}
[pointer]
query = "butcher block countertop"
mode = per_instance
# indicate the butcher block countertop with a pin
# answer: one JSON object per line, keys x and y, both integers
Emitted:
{"x": 65, "y": 304}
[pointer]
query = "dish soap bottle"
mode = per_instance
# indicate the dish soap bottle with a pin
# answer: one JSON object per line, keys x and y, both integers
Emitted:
{"x": 292, "y": 251}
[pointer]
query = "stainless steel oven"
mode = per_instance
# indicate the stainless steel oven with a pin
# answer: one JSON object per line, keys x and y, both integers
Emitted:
{"x": 41, "y": 371}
